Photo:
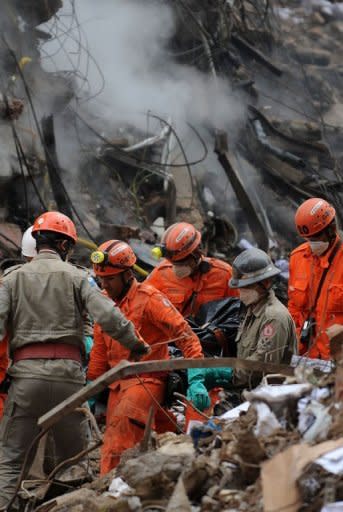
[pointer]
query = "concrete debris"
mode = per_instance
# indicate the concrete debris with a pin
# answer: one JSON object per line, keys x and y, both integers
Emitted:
{"x": 118, "y": 178}
{"x": 179, "y": 501}
{"x": 285, "y": 72}
{"x": 239, "y": 461}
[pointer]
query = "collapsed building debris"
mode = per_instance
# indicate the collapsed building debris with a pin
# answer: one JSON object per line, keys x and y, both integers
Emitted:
{"x": 119, "y": 180}
{"x": 288, "y": 138}
{"x": 237, "y": 461}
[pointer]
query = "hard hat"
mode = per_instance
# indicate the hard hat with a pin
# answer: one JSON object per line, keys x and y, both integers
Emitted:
{"x": 179, "y": 241}
{"x": 55, "y": 222}
{"x": 112, "y": 257}
{"x": 28, "y": 244}
{"x": 313, "y": 216}
{"x": 252, "y": 266}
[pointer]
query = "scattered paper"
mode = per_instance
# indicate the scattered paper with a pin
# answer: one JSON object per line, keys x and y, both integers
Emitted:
{"x": 234, "y": 413}
{"x": 279, "y": 474}
{"x": 332, "y": 461}
{"x": 278, "y": 393}
{"x": 333, "y": 507}
{"x": 267, "y": 422}
{"x": 119, "y": 488}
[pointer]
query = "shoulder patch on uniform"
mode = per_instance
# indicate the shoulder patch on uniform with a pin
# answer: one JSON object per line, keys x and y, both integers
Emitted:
{"x": 268, "y": 330}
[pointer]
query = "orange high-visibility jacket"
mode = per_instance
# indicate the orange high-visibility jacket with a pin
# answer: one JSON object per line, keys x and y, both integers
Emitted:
{"x": 189, "y": 293}
{"x": 155, "y": 319}
{"x": 305, "y": 273}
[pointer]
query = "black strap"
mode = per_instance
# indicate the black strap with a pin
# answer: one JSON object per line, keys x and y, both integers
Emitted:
{"x": 324, "y": 274}
{"x": 190, "y": 302}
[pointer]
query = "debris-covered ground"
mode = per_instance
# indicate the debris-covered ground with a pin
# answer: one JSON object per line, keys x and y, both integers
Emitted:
{"x": 280, "y": 450}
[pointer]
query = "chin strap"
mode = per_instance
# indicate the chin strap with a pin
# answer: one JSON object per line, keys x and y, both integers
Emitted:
{"x": 126, "y": 286}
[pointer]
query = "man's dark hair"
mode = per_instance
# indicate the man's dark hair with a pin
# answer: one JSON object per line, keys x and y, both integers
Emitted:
{"x": 52, "y": 240}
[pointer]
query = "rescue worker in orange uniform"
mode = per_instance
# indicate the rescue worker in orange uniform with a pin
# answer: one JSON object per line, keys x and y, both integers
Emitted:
{"x": 189, "y": 279}
{"x": 186, "y": 276}
{"x": 156, "y": 320}
{"x": 316, "y": 278}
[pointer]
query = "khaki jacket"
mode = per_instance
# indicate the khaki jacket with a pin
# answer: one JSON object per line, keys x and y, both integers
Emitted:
{"x": 267, "y": 333}
{"x": 44, "y": 301}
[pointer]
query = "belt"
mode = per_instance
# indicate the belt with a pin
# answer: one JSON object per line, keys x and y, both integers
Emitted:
{"x": 48, "y": 351}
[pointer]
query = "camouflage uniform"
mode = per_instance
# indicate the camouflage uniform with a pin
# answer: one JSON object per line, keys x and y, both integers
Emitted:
{"x": 267, "y": 333}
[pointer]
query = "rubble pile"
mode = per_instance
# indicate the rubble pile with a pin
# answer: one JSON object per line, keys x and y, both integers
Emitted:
{"x": 281, "y": 449}
{"x": 280, "y": 63}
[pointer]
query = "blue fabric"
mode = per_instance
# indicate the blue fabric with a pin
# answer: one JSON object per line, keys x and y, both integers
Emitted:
{"x": 92, "y": 282}
{"x": 88, "y": 343}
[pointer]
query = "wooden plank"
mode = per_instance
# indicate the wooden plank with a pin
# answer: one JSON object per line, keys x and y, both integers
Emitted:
{"x": 128, "y": 369}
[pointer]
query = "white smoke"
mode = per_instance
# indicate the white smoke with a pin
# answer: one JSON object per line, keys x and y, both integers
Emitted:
{"x": 129, "y": 39}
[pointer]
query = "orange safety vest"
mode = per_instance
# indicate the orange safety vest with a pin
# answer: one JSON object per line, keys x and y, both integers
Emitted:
{"x": 189, "y": 293}
{"x": 305, "y": 270}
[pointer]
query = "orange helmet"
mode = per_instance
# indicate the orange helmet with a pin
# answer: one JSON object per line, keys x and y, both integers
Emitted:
{"x": 112, "y": 257}
{"x": 180, "y": 240}
{"x": 55, "y": 222}
{"x": 313, "y": 216}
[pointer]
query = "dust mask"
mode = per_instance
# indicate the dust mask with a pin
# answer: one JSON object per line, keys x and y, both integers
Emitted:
{"x": 182, "y": 271}
{"x": 248, "y": 296}
{"x": 318, "y": 248}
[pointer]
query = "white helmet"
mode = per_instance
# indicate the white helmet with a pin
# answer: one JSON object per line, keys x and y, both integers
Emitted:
{"x": 28, "y": 244}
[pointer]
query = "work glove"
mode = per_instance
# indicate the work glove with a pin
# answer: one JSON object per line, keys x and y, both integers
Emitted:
{"x": 197, "y": 391}
{"x": 218, "y": 377}
{"x": 139, "y": 350}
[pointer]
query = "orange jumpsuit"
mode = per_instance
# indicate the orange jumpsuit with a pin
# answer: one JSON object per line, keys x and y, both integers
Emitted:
{"x": 130, "y": 400}
{"x": 189, "y": 293}
{"x": 305, "y": 273}
{"x": 4, "y": 362}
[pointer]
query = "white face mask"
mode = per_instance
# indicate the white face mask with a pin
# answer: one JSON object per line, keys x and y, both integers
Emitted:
{"x": 248, "y": 296}
{"x": 182, "y": 271}
{"x": 318, "y": 248}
